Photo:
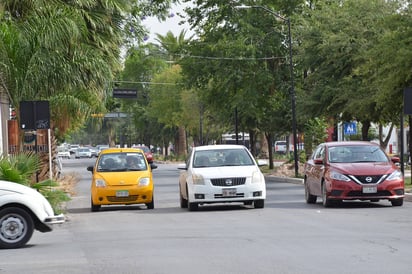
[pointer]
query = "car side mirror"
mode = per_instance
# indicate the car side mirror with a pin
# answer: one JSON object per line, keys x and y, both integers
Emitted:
{"x": 90, "y": 168}
{"x": 153, "y": 166}
{"x": 262, "y": 162}
{"x": 396, "y": 159}
{"x": 318, "y": 161}
{"x": 182, "y": 167}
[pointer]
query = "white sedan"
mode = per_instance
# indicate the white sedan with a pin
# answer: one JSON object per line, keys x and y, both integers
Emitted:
{"x": 221, "y": 174}
{"x": 23, "y": 210}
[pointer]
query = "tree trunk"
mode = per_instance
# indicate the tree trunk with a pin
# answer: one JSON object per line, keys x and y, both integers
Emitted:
{"x": 365, "y": 130}
{"x": 269, "y": 139}
{"x": 181, "y": 149}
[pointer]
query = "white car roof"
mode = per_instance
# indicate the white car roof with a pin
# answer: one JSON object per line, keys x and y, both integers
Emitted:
{"x": 213, "y": 147}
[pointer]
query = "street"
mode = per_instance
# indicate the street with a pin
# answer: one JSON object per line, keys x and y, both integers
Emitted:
{"x": 287, "y": 236}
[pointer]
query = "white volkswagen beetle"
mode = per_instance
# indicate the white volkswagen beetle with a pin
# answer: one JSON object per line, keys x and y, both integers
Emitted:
{"x": 22, "y": 210}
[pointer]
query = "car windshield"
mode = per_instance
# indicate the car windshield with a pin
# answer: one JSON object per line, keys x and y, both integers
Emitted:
{"x": 123, "y": 161}
{"x": 356, "y": 154}
{"x": 221, "y": 157}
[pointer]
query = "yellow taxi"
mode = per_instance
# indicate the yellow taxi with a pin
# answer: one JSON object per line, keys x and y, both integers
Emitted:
{"x": 121, "y": 176}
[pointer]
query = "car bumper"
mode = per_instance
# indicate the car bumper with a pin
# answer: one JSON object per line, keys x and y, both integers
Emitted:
{"x": 48, "y": 222}
{"x": 212, "y": 194}
{"x": 352, "y": 191}
{"x": 110, "y": 196}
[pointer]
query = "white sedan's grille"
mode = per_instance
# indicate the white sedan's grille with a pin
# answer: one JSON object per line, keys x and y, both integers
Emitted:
{"x": 235, "y": 181}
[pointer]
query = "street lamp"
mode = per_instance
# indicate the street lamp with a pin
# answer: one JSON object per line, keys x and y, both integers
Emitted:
{"x": 292, "y": 82}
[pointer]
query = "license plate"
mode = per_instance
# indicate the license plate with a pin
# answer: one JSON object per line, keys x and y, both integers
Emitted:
{"x": 122, "y": 193}
{"x": 229, "y": 192}
{"x": 369, "y": 189}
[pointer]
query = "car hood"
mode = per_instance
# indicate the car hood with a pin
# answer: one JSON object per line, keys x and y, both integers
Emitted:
{"x": 123, "y": 178}
{"x": 364, "y": 168}
{"x": 227, "y": 171}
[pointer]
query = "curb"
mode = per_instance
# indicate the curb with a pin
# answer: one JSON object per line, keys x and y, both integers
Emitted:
{"x": 298, "y": 181}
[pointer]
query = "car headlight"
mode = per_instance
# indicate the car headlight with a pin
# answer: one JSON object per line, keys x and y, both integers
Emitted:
{"x": 100, "y": 183}
{"x": 144, "y": 181}
{"x": 396, "y": 175}
{"x": 198, "y": 179}
{"x": 339, "y": 176}
{"x": 256, "y": 177}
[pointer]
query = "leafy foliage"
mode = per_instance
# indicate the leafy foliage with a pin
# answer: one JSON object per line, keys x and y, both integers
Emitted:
{"x": 21, "y": 168}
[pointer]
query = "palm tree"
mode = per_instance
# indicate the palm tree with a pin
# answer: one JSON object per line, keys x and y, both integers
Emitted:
{"x": 62, "y": 53}
{"x": 173, "y": 46}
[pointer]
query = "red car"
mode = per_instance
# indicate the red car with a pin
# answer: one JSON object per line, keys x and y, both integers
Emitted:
{"x": 353, "y": 170}
{"x": 147, "y": 152}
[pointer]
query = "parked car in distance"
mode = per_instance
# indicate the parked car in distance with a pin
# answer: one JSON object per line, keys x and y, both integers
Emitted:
{"x": 83, "y": 152}
{"x": 23, "y": 210}
{"x": 280, "y": 147}
{"x": 121, "y": 176}
{"x": 63, "y": 152}
{"x": 147, "y": 152}
{"x": 99, "y": 148}
{"x": 93, "y": 151}
{"x": 352, "y": 170}
{"x": 221, "y": 174}
{"x": 73, "y": 148}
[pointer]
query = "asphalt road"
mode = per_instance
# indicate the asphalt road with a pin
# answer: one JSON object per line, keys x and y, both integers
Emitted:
{"x": 287, "y": 236}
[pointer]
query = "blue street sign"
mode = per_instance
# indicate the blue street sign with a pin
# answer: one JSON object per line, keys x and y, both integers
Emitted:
{"x": 349, "y": 128}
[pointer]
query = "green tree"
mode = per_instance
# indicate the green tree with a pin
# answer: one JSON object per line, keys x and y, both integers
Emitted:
{"x": 240, "y": 62}
{"x": 334, "y": 37}
{"x": 66, "y": 52}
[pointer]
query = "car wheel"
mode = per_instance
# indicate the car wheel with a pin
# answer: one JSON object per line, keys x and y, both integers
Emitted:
{"x": 16, "y": 227}
{"x": 259, "y": 203}
{"x": 94, "y": 207}
{"x": 310, "y": 199}
{"x": 183, "y": 201}
{"x": 397, "y": 202}
{"x": 325, "y": 201}
{"x": 151, "y": 204}
{"x": 193, "y": 206}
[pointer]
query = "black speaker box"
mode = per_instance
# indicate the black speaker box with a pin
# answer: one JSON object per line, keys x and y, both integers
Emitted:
{"x": 34, "y": 115}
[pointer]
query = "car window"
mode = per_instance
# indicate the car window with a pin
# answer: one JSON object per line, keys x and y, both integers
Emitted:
{"x": 121, "y": 162}
{"x": 319, "y": 153}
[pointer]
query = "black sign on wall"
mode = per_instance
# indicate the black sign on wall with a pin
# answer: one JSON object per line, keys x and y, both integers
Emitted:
{"x": 125, "y": 93}
{"x": 407, "y": 101}
{"x": 34, "y": 115}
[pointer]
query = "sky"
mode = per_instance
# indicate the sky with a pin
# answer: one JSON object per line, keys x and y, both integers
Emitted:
{"x": 171, "y": 24}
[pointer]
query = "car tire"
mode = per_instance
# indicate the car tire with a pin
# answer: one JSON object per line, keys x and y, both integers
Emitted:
{"x": 310, "y": 199}
{"x": 397, "y": 202}
{"x": 16, "y": 227}
{"x": 193, "y": 206}
{"x": 183, "y": 201}
{"x": 325, "y": 201}
{"x": 151, "y": 204}
{"x": 94, "y": 208}
{"x": 259, "y": 203}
